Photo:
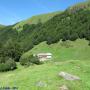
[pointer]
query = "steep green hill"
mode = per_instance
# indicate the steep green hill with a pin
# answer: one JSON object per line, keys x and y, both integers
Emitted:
{"x": 35, "y": 19}
{"x": 51, "y": 28}
{"x": 45, "y": 17}
{"x": 65, "y": 26}
{"x": 63, "y": 51}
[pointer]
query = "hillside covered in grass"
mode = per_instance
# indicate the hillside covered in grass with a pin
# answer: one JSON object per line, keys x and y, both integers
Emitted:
{"x": 27, "y": 78}
{"x": 35, "y": 19}
{"x": 63, "y": 51}
{"x": 71, "y": 57}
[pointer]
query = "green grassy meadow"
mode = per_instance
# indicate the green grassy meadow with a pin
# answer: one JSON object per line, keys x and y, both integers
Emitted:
{"x": 71, "y": 57}
{"x": 77, "y": 50}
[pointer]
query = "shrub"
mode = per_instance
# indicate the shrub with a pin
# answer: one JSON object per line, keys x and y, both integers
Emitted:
{"x": 35, "y": 60}
{"x": 74, "y": 37}
{"x": 66, "y": 44}
{"x": 11, "y": 64}
{"x": 2, "y": 67}
{"x": 1, "y": 59}
{"x": 89, "y": 43}
{"x": 25, "y": 61}
{"x": 29, "y": 59}
{"x": 8, "y": 65}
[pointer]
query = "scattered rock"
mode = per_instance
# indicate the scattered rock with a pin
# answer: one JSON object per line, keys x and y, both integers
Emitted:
{"x": 64, "y": 87}
{"x": 68, "y": 76}
{"x": 41, "y": 84}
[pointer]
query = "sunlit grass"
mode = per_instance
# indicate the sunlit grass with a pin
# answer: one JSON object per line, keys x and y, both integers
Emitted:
{"x": 74, "y": 60}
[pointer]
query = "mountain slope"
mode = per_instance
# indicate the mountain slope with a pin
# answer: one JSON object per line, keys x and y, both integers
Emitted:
{"x": 65, "y": 26}
{"x": 35, "y": 19}
{"x": 7, "y": 33}
{"x": 63, "y": 51}
{"x": 46, "y": 17}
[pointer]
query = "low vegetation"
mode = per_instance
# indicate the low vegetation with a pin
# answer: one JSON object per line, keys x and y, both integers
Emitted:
{"x": 7, "y": 64}
{"x": 29, "y": 60}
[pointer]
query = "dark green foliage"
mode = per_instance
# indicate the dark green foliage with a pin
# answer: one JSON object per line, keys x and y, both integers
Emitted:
{"x": 74, "y": 36}
{"x": 28, "y": 60}
{"x": 89, "y": 43}
{"x": 25, "y": 60}
{"x": 12, "y": 49}
{"x": 7, "y": 33}
{"x": 65, "y": 26}
{"x": 9, "y": 53}
{"x": 35, "y": 60}
{"x": 9, "y": 64}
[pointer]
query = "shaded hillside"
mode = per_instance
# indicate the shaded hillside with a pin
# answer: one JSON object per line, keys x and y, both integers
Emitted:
{"x": 6, "y": 34}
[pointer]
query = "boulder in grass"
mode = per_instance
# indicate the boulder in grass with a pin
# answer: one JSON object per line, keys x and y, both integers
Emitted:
{"x": 68, "y": 76}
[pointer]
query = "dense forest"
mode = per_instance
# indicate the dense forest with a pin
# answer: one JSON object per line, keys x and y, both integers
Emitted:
{"x": 69, "y": 25}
